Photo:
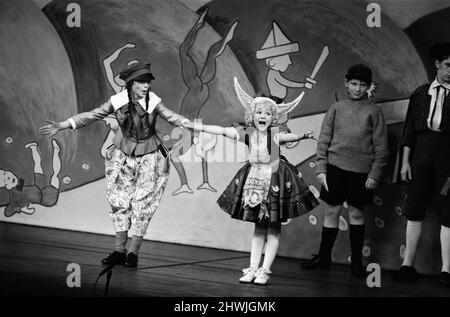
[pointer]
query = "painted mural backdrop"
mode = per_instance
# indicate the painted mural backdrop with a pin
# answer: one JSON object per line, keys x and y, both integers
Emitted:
{"x": 278, "y": 48}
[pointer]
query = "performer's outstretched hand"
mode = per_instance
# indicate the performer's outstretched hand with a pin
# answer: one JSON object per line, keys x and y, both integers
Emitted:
{"x": 50, "y": 129}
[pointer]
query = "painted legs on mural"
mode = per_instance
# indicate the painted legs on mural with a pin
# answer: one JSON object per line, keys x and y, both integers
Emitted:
{"x": 56, "y": 161}
{"x": 56, "y": 164}
{"x": 49, "y": 193}
{"x": 205, "y": 184}
{"x": 197, "y": 94}
{"x": 271, "y": 238}
{"x": 135, "y": 186}
{"x": 37, "y": 161}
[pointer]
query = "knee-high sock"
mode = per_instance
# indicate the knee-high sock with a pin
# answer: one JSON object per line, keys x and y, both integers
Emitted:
{"x": 445, "y": 248}
{"x": 326, "y": 243}
{"x": 413, "y": 233}
{"x": 135, "y": 244}
{"x": 258, "y": 240}
{"x": 356, "y": 242}
{"x": 121, "y": 241}
{"x": 273, "y": 241}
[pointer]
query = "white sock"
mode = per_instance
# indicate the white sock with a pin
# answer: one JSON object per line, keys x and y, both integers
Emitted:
{"x": 273, "y": 241}
{"x": 413, "y": 233}
{"x": 445, "y": 248}
{"x": 259, "y": 237}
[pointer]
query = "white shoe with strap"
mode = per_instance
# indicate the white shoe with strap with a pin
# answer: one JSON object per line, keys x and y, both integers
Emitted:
{"x": 262, "y": 276}
{"x": 249, "y": 275}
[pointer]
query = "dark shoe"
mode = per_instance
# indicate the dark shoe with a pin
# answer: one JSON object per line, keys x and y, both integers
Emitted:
{"x": 115, "y": 258}
{"x": 317, "y": 263}
{"x": 132, "y": 260}
{"x": 358, "y": 269}
{"x": 405, "y": 274}
{"x": 444, "y": 278}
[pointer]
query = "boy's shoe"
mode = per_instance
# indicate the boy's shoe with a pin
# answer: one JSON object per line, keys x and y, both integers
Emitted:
{"x": 444, "y": 278}
{"x": 262, "y": 276}
{"x": 132, "y": 260}
{"x": 405, "y": 274}
{"x": 249, "y": 275}
{"x": 357, "y": 269}
{"x": 317, "y": 262}
{"x": 115, "y": 258}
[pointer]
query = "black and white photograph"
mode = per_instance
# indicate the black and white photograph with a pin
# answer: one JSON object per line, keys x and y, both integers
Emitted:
{"x": 224, "y": 156}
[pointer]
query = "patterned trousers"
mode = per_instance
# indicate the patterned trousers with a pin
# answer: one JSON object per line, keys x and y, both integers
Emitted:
{"x": 134, "y": 188}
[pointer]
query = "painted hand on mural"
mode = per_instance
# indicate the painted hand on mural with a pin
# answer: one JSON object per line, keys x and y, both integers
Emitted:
{"x": 322, "y": 178}
{"x": 114, "y": 81}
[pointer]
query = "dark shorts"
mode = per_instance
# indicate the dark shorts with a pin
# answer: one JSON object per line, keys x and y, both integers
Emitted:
{"x": 430, "y": 171}
{"x": 346, "y": 186}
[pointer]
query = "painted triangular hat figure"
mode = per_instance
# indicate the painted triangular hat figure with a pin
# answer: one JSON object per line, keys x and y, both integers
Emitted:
{"x": 276, "y": 51}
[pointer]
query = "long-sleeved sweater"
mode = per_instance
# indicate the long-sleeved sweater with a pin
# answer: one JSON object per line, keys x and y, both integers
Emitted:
{"x": 354, "y": 138}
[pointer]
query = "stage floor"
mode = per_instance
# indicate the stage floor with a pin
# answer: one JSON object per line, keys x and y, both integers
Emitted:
{"x": 34, "y": 262}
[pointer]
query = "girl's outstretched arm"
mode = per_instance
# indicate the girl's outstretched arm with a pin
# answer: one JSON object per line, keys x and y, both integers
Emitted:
{"x": 228, "y": 132}
{"x": 292, "y": 137}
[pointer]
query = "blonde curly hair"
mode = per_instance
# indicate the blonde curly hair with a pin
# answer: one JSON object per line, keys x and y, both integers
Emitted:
{"x": 260, "y": 101}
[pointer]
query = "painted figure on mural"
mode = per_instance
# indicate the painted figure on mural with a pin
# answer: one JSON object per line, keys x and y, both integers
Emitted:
{"x": 267, "y": 190}
{"x": 21, "y": 196}
{"x": 351, "y": 153}
{"x": 197, "y": 79}
{"x": 276, "y": 52}
{"x": 137, "y": 163}
{"x": 424, "y": 163}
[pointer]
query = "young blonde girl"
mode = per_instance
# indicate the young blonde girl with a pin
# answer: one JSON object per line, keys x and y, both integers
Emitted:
{"x": 267, "y": 190}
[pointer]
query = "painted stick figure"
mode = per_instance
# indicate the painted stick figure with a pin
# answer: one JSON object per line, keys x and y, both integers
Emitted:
{"x": 275, "y": 51}
{"x": 195, "y": 98}
{"x": 20, "y": 196}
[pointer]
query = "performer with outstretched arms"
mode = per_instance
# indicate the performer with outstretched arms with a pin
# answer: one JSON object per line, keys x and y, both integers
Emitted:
{"x": 267, "y": 190}
{"x": 137, "y": 164}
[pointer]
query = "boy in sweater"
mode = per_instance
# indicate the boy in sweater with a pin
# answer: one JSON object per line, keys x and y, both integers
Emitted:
{"x": 351, "y": 153}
